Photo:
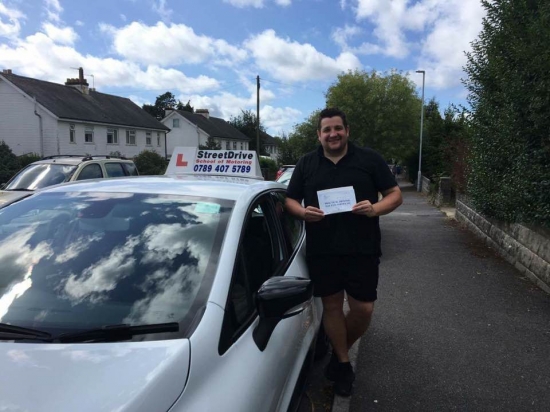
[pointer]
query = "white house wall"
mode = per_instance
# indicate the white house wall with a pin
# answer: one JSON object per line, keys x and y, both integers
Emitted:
{"x": 20, "y": 127}
{"x": 99, "y": 146}
{"x": 187, "y": 134}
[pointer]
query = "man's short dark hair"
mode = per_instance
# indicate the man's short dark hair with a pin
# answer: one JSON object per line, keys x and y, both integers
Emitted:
{"x": 332, "y": 112}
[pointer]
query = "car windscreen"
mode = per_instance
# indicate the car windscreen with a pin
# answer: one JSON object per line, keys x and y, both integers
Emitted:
{"x": 285, "y": 177}
{"x": 77, "y": 261}
{"x": 37, "y": 176}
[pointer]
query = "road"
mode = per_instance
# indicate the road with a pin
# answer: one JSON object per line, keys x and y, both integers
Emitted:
{"x": 456, "y": 328}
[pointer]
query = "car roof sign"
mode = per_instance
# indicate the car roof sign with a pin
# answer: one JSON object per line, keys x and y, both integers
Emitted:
{"x": 231, "y": 163}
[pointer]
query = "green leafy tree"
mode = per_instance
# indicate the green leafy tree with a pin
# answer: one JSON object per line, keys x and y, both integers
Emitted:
{"x": 149, "y": 162}
{"x": 303, "y": 139}
{"x": 383, "y": 111}
{"x": 9, "y": 164}
{"x": 166, "y": 101}
{"x": 185, "y": 107}
{"x": 27, "y": 159}
{"x": 508, "y": 80}
{"x": 246, "y": 124}
{"x": 211, "y": 144}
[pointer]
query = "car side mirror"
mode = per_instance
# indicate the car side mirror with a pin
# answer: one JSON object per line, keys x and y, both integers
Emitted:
{"x": 279, "y": 298}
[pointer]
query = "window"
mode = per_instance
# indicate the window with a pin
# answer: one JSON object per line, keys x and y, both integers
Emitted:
{"x": 112, "y": 136}
{"x": 293, "y": 228}
{"x": 227, "y": 145}
{"x": 130, "y": 168}
{"x": 176, "y": 123}
{"x": 114, "y": 170}
{"x": 71, "y": 133}
{"x": 130, "y": 137}
{"x": 89, "y": 134}
{"x": 148, "y": 138}
{"x": 260, "y": 256}
{"x": 234, "y": 145}
{"x": 242, "y": 145}
{"x": 91, "y": 171}
{"x": 158, "y": 138}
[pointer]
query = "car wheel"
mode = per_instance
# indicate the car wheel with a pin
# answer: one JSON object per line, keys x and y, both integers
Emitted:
{"x": 322, "y": 344}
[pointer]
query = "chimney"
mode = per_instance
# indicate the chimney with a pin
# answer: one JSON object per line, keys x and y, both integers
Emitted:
{"x": 81, "y": 83}
{"x": 6, "y": 71}
{"x": 203, "y": 112}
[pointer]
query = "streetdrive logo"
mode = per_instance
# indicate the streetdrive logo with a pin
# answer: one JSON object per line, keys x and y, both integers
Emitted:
{"x": 238, "y": 163}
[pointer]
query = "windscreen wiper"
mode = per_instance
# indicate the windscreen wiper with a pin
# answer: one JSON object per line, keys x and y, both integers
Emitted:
{"x": 10, "y": 332}
{"x": 115, "y": 333}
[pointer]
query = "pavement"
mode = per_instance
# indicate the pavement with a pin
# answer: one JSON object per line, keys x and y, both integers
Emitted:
{"x": 455, "y": 328}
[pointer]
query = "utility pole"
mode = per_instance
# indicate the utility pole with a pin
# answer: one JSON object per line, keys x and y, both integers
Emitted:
{"x": 258, "y": 115}
{"x": 419, "y": 178}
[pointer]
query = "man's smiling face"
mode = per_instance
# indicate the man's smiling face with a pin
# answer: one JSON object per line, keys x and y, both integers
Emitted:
{"x": 333, "y": 135}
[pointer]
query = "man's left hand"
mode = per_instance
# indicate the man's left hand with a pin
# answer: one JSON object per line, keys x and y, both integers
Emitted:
{"x": 364, "y": 208}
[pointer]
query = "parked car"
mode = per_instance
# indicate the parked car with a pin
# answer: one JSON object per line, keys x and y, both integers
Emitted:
{"x": 155, "y": 294}
{"x": 57, "y": 169}
{"x": 282, "y": 169}
{"x": 284, "y": 178}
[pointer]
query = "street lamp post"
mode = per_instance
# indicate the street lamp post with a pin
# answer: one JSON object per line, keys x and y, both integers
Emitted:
{"x": 419, "y": 179}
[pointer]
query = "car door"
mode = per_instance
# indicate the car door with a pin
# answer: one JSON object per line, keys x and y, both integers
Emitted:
{"x": 90, "y": 171}
{"x": 271, "y": 374}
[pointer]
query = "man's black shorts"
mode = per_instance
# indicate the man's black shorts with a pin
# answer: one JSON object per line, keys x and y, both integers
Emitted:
{"x": 357, "y": 275}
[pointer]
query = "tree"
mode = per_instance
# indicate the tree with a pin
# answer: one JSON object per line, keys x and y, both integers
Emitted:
{"x": 149, "y": 162}
{"x": 301, "y": 140}
{"x": 246, "y": 124}
{"x": 508, "y": 82}
{"x": 8, "y": 163}
{"x": 211, "y": 144}
{"x": 383, "y": 111}
{"x": 186, "y": 108}
{"x": 166, "y": 101}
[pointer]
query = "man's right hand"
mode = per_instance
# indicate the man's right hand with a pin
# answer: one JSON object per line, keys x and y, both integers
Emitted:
{"x": 312, "y": 214}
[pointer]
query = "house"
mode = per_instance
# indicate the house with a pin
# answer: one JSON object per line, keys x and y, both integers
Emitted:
{"x": 47, "y": 118}
{"x": 194, "y": 129}
{"x": 270, "y": 146}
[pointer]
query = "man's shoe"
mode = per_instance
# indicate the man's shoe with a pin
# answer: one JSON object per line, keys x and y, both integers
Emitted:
{"x": 345, "y": 378}
{"x": 331, "y": 370}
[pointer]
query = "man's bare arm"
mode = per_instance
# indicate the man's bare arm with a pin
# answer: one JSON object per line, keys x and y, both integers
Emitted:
{"x": 309, "y": 214}
{"x": 391, "y": 200}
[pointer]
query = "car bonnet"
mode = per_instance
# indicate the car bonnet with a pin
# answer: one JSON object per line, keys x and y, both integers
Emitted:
{"x": 122, "y": 376}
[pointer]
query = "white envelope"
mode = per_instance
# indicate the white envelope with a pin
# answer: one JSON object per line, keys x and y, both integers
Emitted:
{"x": 336, "y": 200}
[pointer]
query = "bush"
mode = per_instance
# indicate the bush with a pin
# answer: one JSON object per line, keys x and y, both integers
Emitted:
{"x": 149, "y": 162}
{"x": 269, "y": 168}
{"x": 9, "y": 164}
{"x": 27, "y": 159}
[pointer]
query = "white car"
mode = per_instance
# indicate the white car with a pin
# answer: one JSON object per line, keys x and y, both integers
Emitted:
{"x": 154, "y": 294}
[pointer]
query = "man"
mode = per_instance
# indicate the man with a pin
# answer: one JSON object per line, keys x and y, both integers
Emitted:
{"x": 343, "y": 249}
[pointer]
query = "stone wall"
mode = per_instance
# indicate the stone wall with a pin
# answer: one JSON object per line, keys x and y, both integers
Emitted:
{"x": 526, "y": 249}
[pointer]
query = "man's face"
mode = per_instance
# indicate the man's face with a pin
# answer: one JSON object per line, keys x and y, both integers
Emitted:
{"x": 333, "y": 135}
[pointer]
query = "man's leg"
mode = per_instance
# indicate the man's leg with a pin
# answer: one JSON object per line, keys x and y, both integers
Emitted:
{"x": 334, "y": 322}
{"x": 358, "y": 319}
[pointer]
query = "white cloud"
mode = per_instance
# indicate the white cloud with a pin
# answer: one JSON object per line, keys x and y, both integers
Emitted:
{"x": 10, "y": 25}
{"x": 291, "y": 61}
{"x": 79, "y": 23}
{"x": 53, "y": 10}
{"x": 258, "y": 4}
{"x": 59, "y": 35}
{"x": 159, "y": 6}
{"x": 56, "y": 61}
{"x": 169, "y": 45}
{"x": 341, "y": 36}
{"x": 246, "y": 3}
{"x": 447, "y": 27}
{"x": 279, "y": 118}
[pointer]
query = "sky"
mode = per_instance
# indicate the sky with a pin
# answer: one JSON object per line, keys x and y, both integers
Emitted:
{"x": 210, "y": 52}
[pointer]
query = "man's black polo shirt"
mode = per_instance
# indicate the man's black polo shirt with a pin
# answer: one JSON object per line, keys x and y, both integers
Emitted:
{"x": 342, "y": 233}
